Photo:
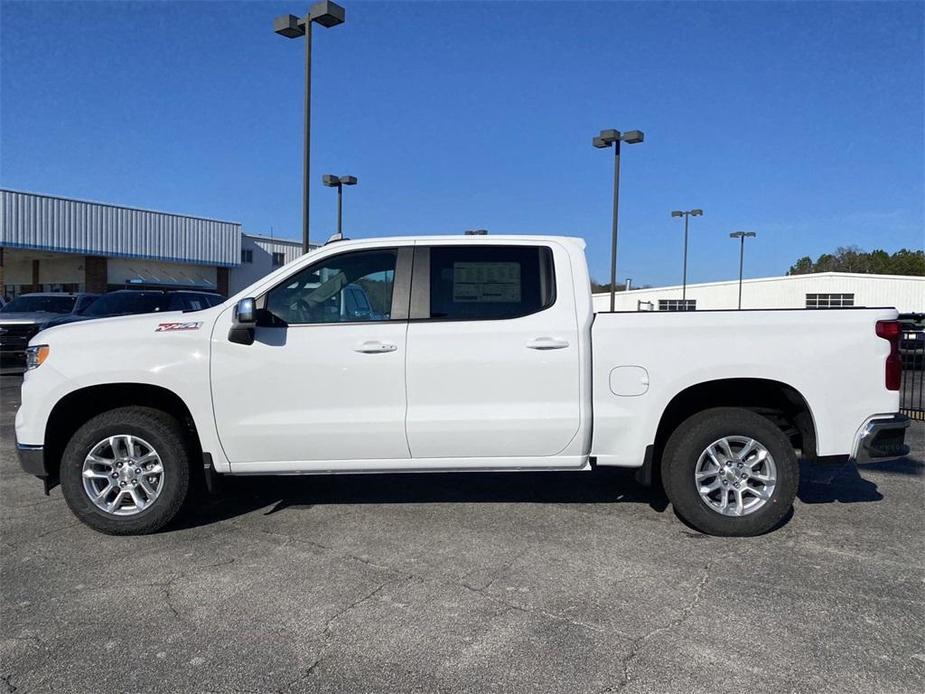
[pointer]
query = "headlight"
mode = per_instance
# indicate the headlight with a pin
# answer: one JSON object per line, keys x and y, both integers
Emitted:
{"x": 35, "y": 356}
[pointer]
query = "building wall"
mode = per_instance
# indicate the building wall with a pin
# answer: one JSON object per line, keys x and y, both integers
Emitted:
{"x": 129, "y": 272}
{"x": 56, "y": 272}
{"x": 96, "y": 273}
{"x": 57, "y": 244}
{"x": 907, "y": 294}
{"x": 262, "y": 250}
{"x": 69, "y": 272}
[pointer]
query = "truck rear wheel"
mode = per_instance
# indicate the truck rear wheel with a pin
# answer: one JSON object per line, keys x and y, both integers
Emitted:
{"x": 126, "y": 471}
{"x": 730, "y": 472}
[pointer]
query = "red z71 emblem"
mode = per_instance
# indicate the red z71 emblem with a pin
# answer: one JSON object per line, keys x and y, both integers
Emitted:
{"x": 163, "y": 327}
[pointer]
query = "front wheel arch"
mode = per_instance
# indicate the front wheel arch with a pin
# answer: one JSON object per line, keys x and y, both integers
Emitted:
{"x": 120, "y": 477}
{"x": 80, "y": 406}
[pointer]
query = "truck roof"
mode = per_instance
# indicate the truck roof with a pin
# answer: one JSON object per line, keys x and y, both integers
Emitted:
{"x": 464, "y": 239}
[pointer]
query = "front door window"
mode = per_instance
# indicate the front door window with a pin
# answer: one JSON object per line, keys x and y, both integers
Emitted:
{"x": 348, "y": 288}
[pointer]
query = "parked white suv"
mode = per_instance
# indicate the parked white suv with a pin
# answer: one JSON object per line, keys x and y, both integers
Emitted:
{"x": 479, "y": 353}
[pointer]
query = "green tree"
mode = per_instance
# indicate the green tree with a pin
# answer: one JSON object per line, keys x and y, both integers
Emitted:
{"x": 906, "y": 262}
{"x": 601, "y": 287}
{"x": 879, "y": 262}
{"x": 853, "y": 259}
{"x": 803, "y": 266}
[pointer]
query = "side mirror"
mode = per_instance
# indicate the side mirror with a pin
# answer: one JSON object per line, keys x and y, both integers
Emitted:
{"x": 245, "y": 312}
{"x": 244, "y": 321}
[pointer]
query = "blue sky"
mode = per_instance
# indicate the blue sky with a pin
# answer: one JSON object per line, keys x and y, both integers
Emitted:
{"x": 801, "y": 121}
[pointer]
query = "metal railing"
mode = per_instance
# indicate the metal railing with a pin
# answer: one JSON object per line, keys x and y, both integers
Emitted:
{"x": 912, "y": 388}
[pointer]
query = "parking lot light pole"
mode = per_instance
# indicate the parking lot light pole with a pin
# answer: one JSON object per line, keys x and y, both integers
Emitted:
{"x": 327, "y": 14}
{"x": 686, "y": 214}
{"x": 741, "y": 235}
{"x": 608, "y": 138}
{"x": 339, "y": 182}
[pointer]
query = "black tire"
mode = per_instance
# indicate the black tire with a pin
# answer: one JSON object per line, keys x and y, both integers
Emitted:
{"x": 158, "y": 428}
{"x": 693, "y": 436}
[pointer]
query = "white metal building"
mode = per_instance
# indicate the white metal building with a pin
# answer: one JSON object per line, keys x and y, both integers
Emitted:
{"x": 48, "y": 243}
{"x": 820, "y": 290}
{"x": 260, "y": 255}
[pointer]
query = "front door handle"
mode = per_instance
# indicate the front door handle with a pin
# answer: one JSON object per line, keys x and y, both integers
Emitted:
{"x": 547, "y": 343}
{"x": 375, "y": 347}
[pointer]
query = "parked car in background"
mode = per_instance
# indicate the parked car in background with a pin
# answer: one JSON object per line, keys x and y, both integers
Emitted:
{"x": 26, "y": 315}
{"x": 127, "y": 302}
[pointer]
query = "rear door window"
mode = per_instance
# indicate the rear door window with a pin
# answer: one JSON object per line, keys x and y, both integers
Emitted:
{"x": 490, "y": 282}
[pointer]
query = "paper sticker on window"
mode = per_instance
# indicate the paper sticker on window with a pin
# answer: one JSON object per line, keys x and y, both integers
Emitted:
{"x": 486, "y": 282}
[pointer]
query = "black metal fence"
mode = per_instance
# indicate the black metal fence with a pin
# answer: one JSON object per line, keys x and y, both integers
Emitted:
{"x": 912, "y": 390}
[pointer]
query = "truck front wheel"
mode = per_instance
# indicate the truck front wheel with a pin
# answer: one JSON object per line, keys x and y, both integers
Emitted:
{"x": 126, "y": 471}
{"x": 731, "y": 472}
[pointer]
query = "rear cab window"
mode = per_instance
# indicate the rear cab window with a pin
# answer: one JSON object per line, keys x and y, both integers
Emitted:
{"x": 489, "y": 282}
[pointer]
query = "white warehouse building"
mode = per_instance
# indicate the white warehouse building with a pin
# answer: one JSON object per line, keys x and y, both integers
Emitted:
{"x": 261, "y": 255}
{"x": 819, "y": 290}
{"x": 54, "y": 244}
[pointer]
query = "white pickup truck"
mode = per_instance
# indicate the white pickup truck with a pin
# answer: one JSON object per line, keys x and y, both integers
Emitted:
{"x": 470, "y": 353}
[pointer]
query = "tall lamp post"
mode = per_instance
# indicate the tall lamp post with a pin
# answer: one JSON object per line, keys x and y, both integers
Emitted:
{"x": 686, "y": 214}
{"x": 741, "y": 235}
{"x": 339, "y": 182}
{"x": 608, "y": 138}
{"x": 327, "y": 14}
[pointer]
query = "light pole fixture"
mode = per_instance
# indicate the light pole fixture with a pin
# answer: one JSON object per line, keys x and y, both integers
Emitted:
{"x": 608, "y": 138}
{"x": 327, "y": 14}
{"x": 741, "y": 235}
{"x": 339, "y": 182}
{"x": 686, "y": 214}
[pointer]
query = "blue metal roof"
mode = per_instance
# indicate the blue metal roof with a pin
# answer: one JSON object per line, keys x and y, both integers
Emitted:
{"x": 45, "y": 222}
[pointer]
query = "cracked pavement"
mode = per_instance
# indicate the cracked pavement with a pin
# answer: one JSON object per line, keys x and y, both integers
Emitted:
{"x": 579, "y": 582}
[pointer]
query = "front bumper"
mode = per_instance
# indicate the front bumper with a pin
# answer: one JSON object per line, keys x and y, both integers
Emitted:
{"x": 32, "y": 459}
{"x": 881, "y": 438}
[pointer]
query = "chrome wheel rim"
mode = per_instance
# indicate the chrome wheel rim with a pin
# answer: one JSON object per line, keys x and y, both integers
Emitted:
{"x": 735, "y": 475}
{"x": 123, "y": 475}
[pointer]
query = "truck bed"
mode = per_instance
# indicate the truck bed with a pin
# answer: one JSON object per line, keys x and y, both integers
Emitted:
{"x": 642, "y": 360}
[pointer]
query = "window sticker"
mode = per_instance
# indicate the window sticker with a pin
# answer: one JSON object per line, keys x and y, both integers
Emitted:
{"x": 476, "y": 282}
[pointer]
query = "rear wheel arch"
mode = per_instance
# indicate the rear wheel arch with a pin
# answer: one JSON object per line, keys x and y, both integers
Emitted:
{"x": 80, "y": 406}
{"x": 779, "y": 402}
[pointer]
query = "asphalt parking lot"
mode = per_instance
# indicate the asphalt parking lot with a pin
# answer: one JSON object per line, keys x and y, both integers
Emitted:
{"x": 506, "y": 583}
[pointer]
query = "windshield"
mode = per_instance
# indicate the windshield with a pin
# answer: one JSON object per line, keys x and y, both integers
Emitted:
{"x": 32, "y": 304}
{"x": 120, "y": 304}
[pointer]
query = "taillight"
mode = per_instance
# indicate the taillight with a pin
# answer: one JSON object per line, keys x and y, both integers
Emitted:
{"x": 892, "y": 330}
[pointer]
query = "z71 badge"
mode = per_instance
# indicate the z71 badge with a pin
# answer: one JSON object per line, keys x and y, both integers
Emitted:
{"x": 164, "y": 327}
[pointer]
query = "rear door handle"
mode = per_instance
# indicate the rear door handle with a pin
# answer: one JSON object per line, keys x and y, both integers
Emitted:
{"x": 547, "y": 343}
{"x": 375, "y": 347}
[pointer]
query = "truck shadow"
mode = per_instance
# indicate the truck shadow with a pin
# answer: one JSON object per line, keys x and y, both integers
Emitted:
{"x": 826, "y": 484}
{"x": 819, "y": 484}
{"x": 830, "y": 483}
{"x": 240, "y": 495}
